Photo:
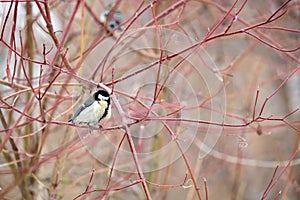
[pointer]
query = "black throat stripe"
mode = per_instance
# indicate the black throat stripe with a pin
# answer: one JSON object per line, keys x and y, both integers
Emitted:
{"x": 106, "y": 110}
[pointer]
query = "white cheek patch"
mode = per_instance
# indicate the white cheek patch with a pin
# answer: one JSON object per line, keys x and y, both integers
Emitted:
{"x": 103, "y": 98}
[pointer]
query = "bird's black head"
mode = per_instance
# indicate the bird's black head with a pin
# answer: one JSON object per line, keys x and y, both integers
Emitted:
{"x": 101, "y": 95}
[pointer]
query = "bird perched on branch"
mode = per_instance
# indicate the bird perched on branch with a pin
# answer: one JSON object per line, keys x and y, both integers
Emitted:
{"x": 115, "y": 21}
{"x": 94, "y": 109}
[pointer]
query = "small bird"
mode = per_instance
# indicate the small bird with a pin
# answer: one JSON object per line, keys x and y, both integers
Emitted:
{"x": 94, "y": 109}
{"x": 115, "y": 21}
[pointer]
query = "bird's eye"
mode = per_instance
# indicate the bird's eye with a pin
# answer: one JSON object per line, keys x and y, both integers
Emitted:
{"x": 112, "y": 25}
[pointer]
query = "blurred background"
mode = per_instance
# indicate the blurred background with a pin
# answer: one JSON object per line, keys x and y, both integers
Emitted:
{"x": 205, "y": 99}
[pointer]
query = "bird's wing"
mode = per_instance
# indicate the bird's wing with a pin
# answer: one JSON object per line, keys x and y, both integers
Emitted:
{"x": 87, "y": 103}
